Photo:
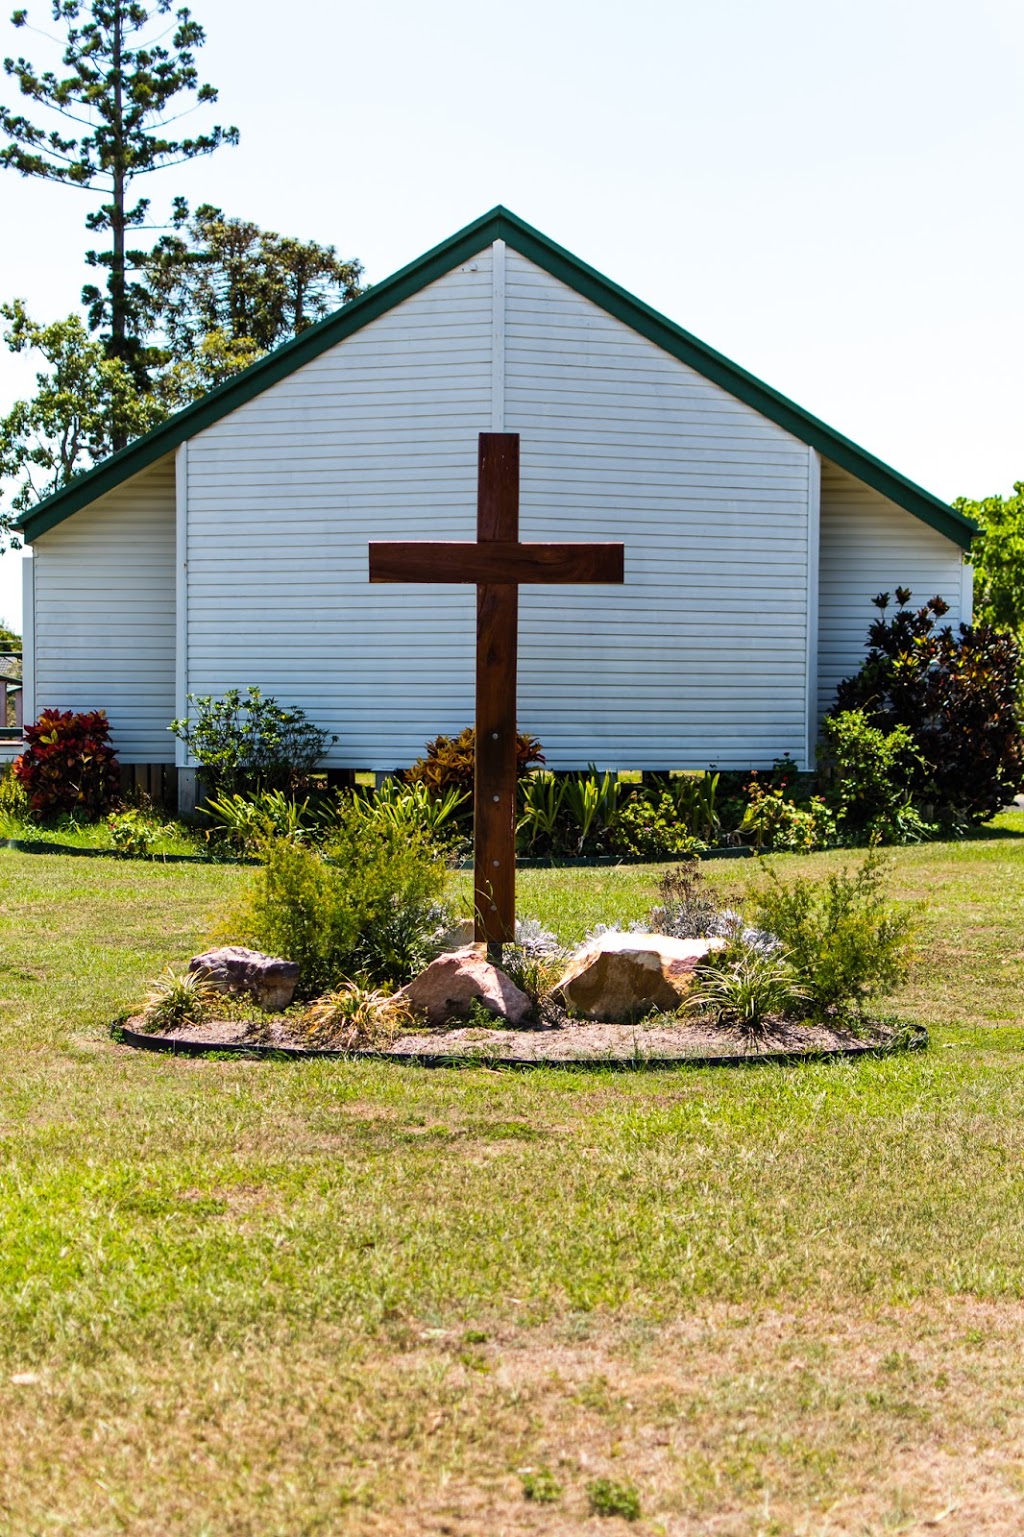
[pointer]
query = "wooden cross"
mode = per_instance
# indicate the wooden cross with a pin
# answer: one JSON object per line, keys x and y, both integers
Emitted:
{"x": 497, "y": 563}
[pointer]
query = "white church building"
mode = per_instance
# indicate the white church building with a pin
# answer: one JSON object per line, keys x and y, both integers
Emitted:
{"x": 229, "y": 546}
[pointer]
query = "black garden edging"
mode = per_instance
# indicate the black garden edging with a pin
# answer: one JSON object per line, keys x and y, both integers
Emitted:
{"x": 523, "y": 862}
{"x": 916, "y": 1040}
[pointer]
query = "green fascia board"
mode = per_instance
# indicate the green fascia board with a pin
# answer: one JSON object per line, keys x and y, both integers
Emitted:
{"x": 498, "y": 224}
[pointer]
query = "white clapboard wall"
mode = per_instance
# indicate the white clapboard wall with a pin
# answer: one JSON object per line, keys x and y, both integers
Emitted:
{"x": 104, "y": 614}
{"x": 700, "y": 657}
{"x": 252, "y": 547}
{"x": 870, "y": 546}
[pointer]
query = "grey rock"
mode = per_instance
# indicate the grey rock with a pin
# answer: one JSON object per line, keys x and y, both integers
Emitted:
{"x": 268, "y": 979}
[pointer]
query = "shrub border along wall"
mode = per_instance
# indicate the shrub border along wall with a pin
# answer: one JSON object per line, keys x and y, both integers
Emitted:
{"x": 916, "y": 1040}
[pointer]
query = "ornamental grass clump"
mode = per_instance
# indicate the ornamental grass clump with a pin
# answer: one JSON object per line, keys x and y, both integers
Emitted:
{"x": 748, "y": 990}
{"x": 352, "y": 1017}
{"x": 176, "y": 999}
{"x": 366, "y": 905}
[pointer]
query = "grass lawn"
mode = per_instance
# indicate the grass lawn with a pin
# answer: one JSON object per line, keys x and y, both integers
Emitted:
{"x": 274, "y": 1298}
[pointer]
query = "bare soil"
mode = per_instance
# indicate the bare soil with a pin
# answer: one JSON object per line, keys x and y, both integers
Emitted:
{"x": 663, "y": 1039}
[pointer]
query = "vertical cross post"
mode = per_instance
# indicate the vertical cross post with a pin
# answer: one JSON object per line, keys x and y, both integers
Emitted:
{"x": 497, "y": 633}
{"x": 497, "y": 563}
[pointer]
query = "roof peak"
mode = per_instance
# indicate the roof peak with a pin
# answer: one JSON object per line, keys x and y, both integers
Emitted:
{"x": 498, "y": 223}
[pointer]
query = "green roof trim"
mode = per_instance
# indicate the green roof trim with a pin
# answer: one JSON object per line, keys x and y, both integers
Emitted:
{"x": 499, "y": 224}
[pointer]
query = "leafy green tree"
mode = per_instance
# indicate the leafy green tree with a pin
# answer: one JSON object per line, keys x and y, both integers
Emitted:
{"x": 997, "y": 555}
{"x": 84, "y": 401}
{"x": 118, "y": 92}
{"x": 225, "y": 275}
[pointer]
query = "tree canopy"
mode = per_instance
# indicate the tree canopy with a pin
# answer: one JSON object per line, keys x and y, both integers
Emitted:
{"x": 997, "y": 555}
{"x": 224, "y": 275}
{"x": 106, "y": 116}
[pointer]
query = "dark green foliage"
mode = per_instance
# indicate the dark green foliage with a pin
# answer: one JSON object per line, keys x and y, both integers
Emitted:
{"x": 251, "y": 743}
{"x": 652, "y": 828}
{"x": 845, "y": 940}
{"x": 997, "y": 555}
{"x": 449, "y": 763}
{"x": 748, "y": 989}
{"x": 224, "y": 276}
{"x": 363, "y": 907}
{"x": 872, "y": 779}
{"x": 957, "y": 694}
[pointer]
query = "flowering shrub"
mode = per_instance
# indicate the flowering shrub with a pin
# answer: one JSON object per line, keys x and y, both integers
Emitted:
{"x": 68, "y": 765}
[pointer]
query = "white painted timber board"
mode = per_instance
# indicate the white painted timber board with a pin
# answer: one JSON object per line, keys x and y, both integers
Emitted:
{"x": 868, "y": 546}
{"x": 105, "y": 614}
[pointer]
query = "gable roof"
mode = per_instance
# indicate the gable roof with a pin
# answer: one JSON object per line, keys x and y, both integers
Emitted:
{"x": 499, "y": 224}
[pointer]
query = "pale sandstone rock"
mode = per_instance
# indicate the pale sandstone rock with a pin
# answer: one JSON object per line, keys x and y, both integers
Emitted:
{"x": 268, "y": 979}
{"x": 447, "y": 988}
{"x": 456, "y": 938}
{"x": 620, "y": 977}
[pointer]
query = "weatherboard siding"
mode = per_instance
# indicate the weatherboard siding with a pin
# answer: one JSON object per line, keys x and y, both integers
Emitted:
{"x": 868, "y": 546}
{"x": 104, "y": 614}
{"x": 374, "y": 439}
{"x": 701, "y": 657}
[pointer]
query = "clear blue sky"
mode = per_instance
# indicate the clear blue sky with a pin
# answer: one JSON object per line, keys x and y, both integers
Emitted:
{"x": 829, "y": 193}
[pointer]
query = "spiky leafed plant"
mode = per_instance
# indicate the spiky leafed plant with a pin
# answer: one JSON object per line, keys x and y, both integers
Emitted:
{"x": 178, "y": 998}
{"x": 747, "y": 990}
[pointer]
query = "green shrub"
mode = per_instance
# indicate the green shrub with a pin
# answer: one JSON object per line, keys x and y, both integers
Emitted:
{"x": 772, "y": 821}
{"x": 244, "y": 823}
{"x": 250, "y": 743}
{"x": 68, "y": 765}
{"x": 13, "y": 802}
{"x": 959, "y": 696}
{"x": 450, "y": 762}
{"x": 364, "y": 907}
{"x": 607, "y": 1497}
{"x": 845, "y": 940}
{"x": 356, "y": 1018}
{"x": 696, "y": 802}
{"x": 872, "y": 777}
{"x": 652, "y": 828}
{"x": 176, "y": 999}
{"x": 132, "y": 832}
{"x": 541, "y": 1486}
{"x": 413, "y": 809}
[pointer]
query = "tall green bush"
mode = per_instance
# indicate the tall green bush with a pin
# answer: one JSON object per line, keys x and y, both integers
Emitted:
{"x": 959, "y": 696}
{"x": 845, "y": 939}
{"x": 872, "y": 778}
{"x": 364, "y": 906}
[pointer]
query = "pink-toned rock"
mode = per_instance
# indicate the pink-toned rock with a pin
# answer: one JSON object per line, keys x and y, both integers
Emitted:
{"x": 234, "y": 969}
{"x": 620, "y": 977}
{"x": 450, "y": 985}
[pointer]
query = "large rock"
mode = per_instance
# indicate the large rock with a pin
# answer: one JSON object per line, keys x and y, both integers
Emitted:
{"x": 449, "y": 986}
{"x": 233, "y": 969}
{"x": 620, "y": 977}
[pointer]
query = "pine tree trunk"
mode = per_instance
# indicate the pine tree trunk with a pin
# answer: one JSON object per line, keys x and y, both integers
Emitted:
{"x": 116, "y": 282}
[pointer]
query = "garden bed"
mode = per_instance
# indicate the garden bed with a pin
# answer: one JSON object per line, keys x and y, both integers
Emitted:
{"x": 661, "y": 1042}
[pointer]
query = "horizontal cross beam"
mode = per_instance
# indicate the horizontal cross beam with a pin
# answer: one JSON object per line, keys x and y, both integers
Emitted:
{"x": 497, "y": 562}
